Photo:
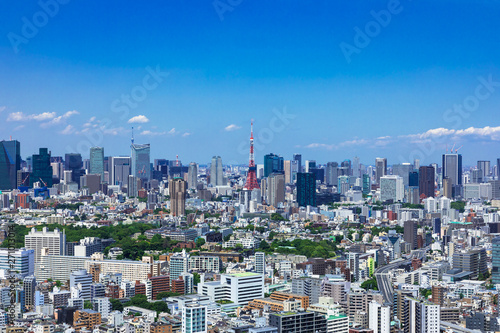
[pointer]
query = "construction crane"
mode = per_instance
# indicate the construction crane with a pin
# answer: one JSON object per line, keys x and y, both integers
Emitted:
{"x": 44, "y": 183}
{"x": 25, "y": 179}
{"x": 456, "y": 150}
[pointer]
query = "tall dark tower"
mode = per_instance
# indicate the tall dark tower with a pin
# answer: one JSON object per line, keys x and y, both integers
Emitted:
{"x": 252, "y": 168}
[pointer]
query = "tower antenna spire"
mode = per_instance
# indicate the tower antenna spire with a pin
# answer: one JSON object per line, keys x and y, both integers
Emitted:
{"x": 251, "y": 182}
{"x": 132, "y": 135}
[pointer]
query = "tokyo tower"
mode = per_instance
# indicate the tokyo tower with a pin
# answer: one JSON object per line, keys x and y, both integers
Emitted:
{"x": 252, "y": 169}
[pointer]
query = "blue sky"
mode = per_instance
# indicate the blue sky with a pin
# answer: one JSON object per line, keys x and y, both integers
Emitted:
{"x": 220, "y": 64}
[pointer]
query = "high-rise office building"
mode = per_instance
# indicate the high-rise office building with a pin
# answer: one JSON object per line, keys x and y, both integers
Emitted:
{"x": 119, "y": 170}
{"x": 356, "y": 171}
{"x": 452, "y": 169}
{"x": 391, "y": 188}
{"x": 413, "y": 178}
{"x": 332, "y": 173}
{"x": 177, "y": 189}
{"x": 41, "y": 168}
{"x": 426, "y": 178}
{"x": 474, "y": 261}
{"x": 260, "y": 262}
{"x": 192, "y": 175}
{"x": 273, "y": 164}
{"x": 287, "y": 166}
{"x": 306, "y": 189}
{"x": 97, "y": 162}
{"x": 307, "y": 321}
{"x": 410, "y": 233}
{"x": 298, "y": 158}
{"x": 495, "y": 260}
{"x": 55, "y": 241}
{"x": 367, "y": 183}
{"x": 10, "y": 164}
{"x": 140, "y": 161}
{"x": 403, "y": 170}
{"x": 484, "y": 167}
{"x": 217, "y": 172}
{"x": 379, "y": 318}
{"x": 276, "y": 189}
{"x": 74, "y": 163}
{"x": 380, "y": 168}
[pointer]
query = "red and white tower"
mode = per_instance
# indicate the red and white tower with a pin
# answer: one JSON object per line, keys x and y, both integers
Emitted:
{"x": 252, "y": 168}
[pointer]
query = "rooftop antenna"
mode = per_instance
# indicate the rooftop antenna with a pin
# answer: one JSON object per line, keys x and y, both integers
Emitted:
{"x": 132, "y": 135}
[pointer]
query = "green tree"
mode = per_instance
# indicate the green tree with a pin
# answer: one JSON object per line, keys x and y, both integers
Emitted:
{"x": 200, "y": 242}
{"x": 116, "y": 305}
{"x": 370, "y": 284}
{"x": 88, "y": 305}
{"x": 196, "y": 278}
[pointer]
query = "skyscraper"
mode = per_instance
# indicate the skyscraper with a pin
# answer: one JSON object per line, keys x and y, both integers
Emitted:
{"x": 288, "y": 171}
{"x": 380, "y": 168}
{"x": 119, "y": 170}
{"x": 426, "y": 316}
{"x": 356, "y": 171}
{"x": 273, "y": 164}
{"x": 452, "y": 169}
{"x": 426, "y": 181}
{"x": 192, "y": 175}
{"x": 216, "y": 172}
{"x": 495, "y": 260}
{"x": 41, "y": 170}
{"x": 367, "y": 184}
{"x": 484, "y": 167}
{"x": 306, "y": 189}
{"x": 55, "y": 241}
{"x": 140, "y": 160}
{"x": 298, "y": 158}
{"x": 177, "y": 190}
{"x": 276, "y": 189}
{"x": 403, "y": 170}
{"x": 97, "y": 162}
{"x": 29, "y": 285}
{"x": 410, "y": 233}
{"x": 10, "y": 163}
{"x": 391, "y": 188}
{"x": 332, "y": 173}
{"x": 73, "y": 163}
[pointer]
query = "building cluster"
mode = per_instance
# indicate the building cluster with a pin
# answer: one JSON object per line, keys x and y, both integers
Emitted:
{"x": 286, "y": 246}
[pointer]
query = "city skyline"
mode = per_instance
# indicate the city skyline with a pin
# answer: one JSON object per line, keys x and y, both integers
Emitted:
{"x": 403, "y": 92}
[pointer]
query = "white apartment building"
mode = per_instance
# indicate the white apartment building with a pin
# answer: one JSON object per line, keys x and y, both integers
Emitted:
{"x": 379, "y": 317}
{"x": 239, "y": 288}
{"x": 55, "y": 241}
{"x": 24, "y": 262}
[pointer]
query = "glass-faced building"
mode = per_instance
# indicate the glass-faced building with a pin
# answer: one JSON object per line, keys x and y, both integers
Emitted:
{"x": 141, "y": 167}
{"x": 10, "y": 163}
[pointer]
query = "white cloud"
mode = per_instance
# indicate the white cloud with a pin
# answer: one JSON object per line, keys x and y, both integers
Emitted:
{"x": 172, "y": 131}
{"x": 60, "y": 119}
{"x": 320, "y": 145}
{"x": 485, "y": 133}
{"x": 20, "y": 127}
{"x": 2, "y": 108}
{"x": 231, "y": 128}
{"x": 140, "y": 119}
{"x": 68, "y": 130}
{"x": 186, "y": 134}
{"x": 20, "y": 116}
{"x": 151, "y": 133}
